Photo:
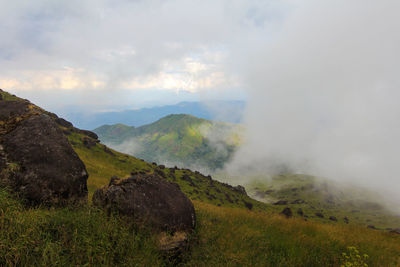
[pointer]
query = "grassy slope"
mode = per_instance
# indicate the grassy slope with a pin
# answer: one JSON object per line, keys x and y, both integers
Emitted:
{"x": 70, "y": 237}
{"x": 181, "y": 139}
{"x": 237, "y": 237}
{"x": 9, "y": 97}
{"x": 232, "y": 236}
{"x": 325, "y": 197}
{"x": 225, "y": 236}
{"x": 102, "y": 165}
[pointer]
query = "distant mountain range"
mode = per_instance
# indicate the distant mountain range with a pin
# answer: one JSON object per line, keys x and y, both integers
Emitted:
{"x": 178, "y": 139}
{"x": 227, "y": 111}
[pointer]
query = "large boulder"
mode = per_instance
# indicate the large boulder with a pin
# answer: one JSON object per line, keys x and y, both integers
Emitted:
{"x": 149, "y": 200}
{"x": 36, "y": 158}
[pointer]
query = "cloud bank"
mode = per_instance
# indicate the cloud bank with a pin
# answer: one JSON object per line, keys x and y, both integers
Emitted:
{"x": 171, "y": 45}
{"x": 323, "y": 94}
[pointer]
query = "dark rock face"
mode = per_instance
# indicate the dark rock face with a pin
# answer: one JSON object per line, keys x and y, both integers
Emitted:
{"x": 107, "y": 150}
{"x": 88, "y": 142}
{"x": 187, "y": 178}
{"x": 333, "y": 218}
{"x": 319, "y": 214}
{"x": 12, "y": 109}
{"x": 248, "y": 205}
{"x": 240, "y": 189}
{"x": 150, "y": 200}
{"x": 64, "y": 123}
{"x": 297, "y": 201}
{"x": 300, "y": 212}
{"x": 287, "y": 212}
{"x": 48, "y": 171}
{"x": 280, "y": 202}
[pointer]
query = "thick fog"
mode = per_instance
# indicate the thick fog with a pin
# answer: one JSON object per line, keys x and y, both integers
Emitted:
{"x": 324, "y": 92}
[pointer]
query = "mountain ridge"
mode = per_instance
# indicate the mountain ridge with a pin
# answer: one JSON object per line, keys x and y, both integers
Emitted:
{"x": 180, "y": 139}
{"x": 229, "y": 111}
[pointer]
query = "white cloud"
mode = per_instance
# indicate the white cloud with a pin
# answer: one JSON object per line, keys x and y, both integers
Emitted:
{"x": 323, "y": 93}
{"x": 118, "y": 44}
{"x": 66, "y": 78}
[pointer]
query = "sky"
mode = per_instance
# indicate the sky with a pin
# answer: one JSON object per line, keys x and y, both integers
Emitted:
{"x": 321, "y": 78}
{"x": 101, "y": 51}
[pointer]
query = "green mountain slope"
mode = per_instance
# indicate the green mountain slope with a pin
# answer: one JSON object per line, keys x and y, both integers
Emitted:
{"x": 179, "y": 139}
{"x": 232, "y": 229}
{"x": 102, "y": 163}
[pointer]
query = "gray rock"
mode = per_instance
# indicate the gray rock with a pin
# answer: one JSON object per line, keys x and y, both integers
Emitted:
{"x": 333, "y": 218}
{"x": 46, "y": 170}
{"x": 281, "y": 202}
{"x": 287, "y": 212}
{"x": 148, "y": 200}
{"x": 300, "y": 212}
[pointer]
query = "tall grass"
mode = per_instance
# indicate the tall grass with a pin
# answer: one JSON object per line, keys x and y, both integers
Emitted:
{"x": 224, "y": 236}
{"x": 237, "y": 237}
{"x": 70, "y": 237}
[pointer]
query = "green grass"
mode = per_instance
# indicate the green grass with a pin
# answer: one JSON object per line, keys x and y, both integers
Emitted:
{"x": 231, "y": 235}
{"x": 237, "y": 237}
{"x": 224, "y": 236}
{"x": 70, "y": 237}
{"x": 9, "y": 97}
{"x": 101, "y": 166}
{"x": 320, "y": 195}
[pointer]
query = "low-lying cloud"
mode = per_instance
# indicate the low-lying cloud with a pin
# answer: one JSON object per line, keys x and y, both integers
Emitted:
{"x": 323, "y": 94}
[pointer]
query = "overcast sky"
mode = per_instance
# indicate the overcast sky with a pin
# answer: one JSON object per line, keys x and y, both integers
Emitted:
{"x": 321, "y": 77}
{"x": 103, "y": 50}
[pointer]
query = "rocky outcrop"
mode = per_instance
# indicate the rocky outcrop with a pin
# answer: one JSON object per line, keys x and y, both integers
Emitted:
{"x": 287, "y": 212}
{"x": 281, "y": 202}
{"x": 36, "y": 159}
{"x": 333, "y": 218}
{"x": 300, "y": 212}
{"x": 149, "y": 200}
